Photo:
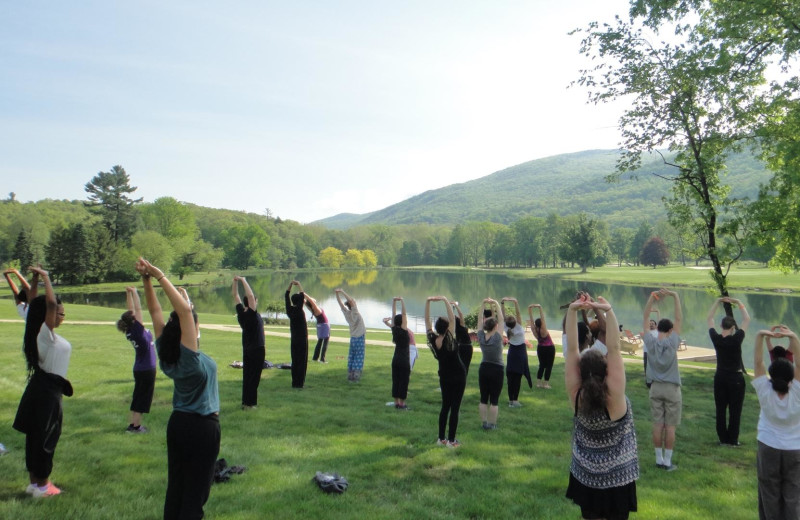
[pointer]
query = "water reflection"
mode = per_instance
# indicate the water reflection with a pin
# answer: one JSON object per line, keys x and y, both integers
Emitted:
{"x": 375, "y": 289}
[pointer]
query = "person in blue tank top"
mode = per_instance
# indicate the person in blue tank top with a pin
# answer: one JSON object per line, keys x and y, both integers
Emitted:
{"x": 193, "y": 432}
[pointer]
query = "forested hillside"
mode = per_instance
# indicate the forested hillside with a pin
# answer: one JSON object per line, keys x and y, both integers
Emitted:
{"x": 565, "y": 184}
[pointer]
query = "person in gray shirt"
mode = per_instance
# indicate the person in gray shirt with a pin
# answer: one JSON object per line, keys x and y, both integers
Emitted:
{"x": 662, "y": 373}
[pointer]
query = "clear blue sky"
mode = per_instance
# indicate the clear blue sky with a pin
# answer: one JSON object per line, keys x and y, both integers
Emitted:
{"x": 308, "y": 108}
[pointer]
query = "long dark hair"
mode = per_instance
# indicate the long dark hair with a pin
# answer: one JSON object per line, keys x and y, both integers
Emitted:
{"x": 442, "y": 328}
{"x": 169, "y": 350}
{"x": 37, "y": 312}
{"x": 781, "y": 373}
{"x": 594, "y": 390}
{"x": 125, "y": 322}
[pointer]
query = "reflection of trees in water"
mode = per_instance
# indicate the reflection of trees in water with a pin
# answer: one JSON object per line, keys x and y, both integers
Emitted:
{"x": 331, "y": 279}
{"x": 767, "y": 308}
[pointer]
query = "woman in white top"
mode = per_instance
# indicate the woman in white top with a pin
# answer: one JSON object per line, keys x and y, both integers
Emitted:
{"x": 778, "y": 459}
{"x": 39, "y": 415}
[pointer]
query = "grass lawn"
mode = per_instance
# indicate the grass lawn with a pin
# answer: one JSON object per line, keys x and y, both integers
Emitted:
{"x": 389, "y": 456}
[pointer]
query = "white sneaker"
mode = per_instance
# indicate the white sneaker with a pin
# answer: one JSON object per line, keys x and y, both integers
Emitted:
{"x": 30, "y": 488}
{"x": 49, "y": 491}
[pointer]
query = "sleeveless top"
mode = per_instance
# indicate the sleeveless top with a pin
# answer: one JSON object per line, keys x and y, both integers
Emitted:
{"x": 604, "y": 453}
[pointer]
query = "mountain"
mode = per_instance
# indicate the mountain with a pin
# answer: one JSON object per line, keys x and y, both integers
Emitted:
{"x": 564, "y": 184}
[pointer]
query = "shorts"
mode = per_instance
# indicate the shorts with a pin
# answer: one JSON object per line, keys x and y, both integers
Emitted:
{"x": 665, "y": 403}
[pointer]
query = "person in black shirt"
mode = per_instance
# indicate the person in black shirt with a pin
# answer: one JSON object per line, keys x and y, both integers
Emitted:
{"x": 252, "y": 342}
{"x": 452, "y": 373}
{"x": 729, "y": 382}
{"x": 465, "y": 350}
{"x": 299, "y": 331}
{"x": 401, "y": 363}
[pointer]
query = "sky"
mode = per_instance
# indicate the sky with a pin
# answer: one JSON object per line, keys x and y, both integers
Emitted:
{"x": 305, "y": 108}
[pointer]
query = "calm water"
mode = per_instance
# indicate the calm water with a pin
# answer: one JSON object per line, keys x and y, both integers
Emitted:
{"x": 374, "y": 290}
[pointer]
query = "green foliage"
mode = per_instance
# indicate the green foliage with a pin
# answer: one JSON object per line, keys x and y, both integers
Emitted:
{"x": 68, "y": 255}
{"x": 170, "y": 218}
{"x": 331, "y": 257}
{"x": 245, "y": 246}
{"x": 108, "y": 198}
{"x": 582, "y": 241}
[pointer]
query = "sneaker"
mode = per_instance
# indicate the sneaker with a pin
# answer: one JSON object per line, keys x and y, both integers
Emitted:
{"x": 3, "y": 450}
{"x": 660, "y": 466}
{"x": 130, "y": 428}
{"x": 453, "y": 444}
{"x": 515, "y": 404}
{"x": 247, "y": 407}
{"x": 539, "y": 384}
{"x": 441, "y": 442}
{"x": 402, "y": 407}
{"x": 140, "y": 429}
{"x": 485, "y": 425}
{"x": 492, "y": 426}
{"x": 30, "y": 488}
{"x": 671, "y": 467}
{"x": 547, "y": 386}
{"x": 49, "y": 491}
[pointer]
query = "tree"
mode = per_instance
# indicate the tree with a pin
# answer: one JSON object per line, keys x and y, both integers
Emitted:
{"x": 194, "y": 255}
{"x": 153, "y": 246}
{"x": 67, "y": 255}
{"x": 246, "y": 246}
{"x": 640, "y": 238}
{"x": 580, "y": 243}
{"x": 693, "y": 98}
{"x": 170, "y": 218}
{"x": 331, "y": 257}
{"x": 528, "y": 238}
{"x": 23, "y": 252}
{"x": 370, "y": 258}
{"x": 620, "y": 244}
{"x": 108, "y": 197}
{"x": 654, "y": 252}
{"x": 353, "y": 258}
{"x": 409, "y": 253}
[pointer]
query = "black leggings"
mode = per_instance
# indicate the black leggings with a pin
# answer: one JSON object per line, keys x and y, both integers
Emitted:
{"x": 490, "y": 381}
{"x": 514, "y": 384}
{"x": 547, "y": 356}
{"x": 729, "y": 397}
{"x": 299, "y": 350}
{"x": 251, "y": 377}
{"x": 192, "y": 449}
{"x": 322, "y": 344}
{"x": 452, "y": 393}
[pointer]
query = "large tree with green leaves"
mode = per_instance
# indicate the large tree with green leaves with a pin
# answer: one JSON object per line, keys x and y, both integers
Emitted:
{"x": 109, "y": 198}
{"x": 582, "y": 241}
{"x": 693, "y": 98}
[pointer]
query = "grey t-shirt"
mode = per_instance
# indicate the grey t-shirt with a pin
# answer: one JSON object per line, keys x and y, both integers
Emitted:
{"x": 662, "y": 358}
{"x": 493, "y": 349}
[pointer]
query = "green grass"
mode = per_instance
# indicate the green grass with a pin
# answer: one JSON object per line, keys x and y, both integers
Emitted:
{"x": 394, "y": 468}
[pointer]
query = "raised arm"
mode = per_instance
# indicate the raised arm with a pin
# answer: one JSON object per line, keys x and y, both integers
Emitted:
{"x": 153, "y": 306}
{"x": 314, "y": 307}
{"x": 648, "y": 308}
{"x": 235, "y": 291}
{"x": 251, "y": 298}
{"x": 137, "y": 304}
{"x": 615, "y": 378}
{"x": 572, "y": 369}
{"x": 451, "y": 317}
{"x": 712, "y": 312}
{"x": 758, "y": 353}
{"x": 181, "y": 306}
{"x": 745, "y": 315}
{"x": 51, "y": 317}
{"x": 678, "y": 323}
{"x": 403, "y": 313}
{"x": 338, "y": 293}
{"x": 457, "y": 310}
{"x": 517, "y": 313}
{"x": 794, "y": 347}
{"x": 543, "y": 329}
{"x": 428, "y": 322}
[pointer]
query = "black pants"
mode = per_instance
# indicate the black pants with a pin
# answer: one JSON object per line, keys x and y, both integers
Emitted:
{"x": 490, "y": 381}
{"x": 322, "y": 345}
{"x": 728, "y": 397}
{"x": 192, "y": 449}
{"x": 400, "y": 377}
{"x": 452, "y": 393}
{"x": 251, "y": 375}
{"x": 547, "y": 356}
{"x": 514, "y": 384}
{"x": 465, "y": 353}
{"x": 144, "y": 384}
{"x": 299, "y": 362}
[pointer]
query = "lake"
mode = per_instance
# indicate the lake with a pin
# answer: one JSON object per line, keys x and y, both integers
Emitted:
{"x": 374, "y": 290}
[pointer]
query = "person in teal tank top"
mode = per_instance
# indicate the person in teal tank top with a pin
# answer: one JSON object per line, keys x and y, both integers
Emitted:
{"x": 193, "y": 432}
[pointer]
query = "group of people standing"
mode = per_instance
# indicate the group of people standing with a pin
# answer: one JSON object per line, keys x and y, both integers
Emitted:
{"x": 604, "y": 466}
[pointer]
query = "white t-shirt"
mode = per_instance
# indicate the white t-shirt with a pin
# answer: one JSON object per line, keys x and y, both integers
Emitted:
{"x": 779, "y": 420}
{"x": 653, "y": 333}
{"x": 54, "y": 352}
{"x": 22, "y": 310}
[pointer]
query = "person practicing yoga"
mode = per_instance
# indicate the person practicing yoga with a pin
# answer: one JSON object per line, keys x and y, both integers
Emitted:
{"x": 39, "y": 415}
{"x": 253, "y": 343}
{"x": 401, "y": 366}
{"x": 452, "y": 373}
{"x": 193, "y": 432}
{"x": 144, "y": 364}
{"x": 355, "y": 355}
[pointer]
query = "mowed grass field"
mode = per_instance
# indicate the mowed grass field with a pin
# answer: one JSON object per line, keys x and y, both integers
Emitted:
{"x": 390, "y": 458}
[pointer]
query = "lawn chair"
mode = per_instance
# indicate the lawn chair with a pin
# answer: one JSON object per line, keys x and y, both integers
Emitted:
{"x": 628, "y": 347}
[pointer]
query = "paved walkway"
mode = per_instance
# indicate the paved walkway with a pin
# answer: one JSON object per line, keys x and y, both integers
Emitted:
{"x": 690, "y": 353}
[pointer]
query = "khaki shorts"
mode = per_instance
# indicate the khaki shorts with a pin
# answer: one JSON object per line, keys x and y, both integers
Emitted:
{"x": 665, "y": 403}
